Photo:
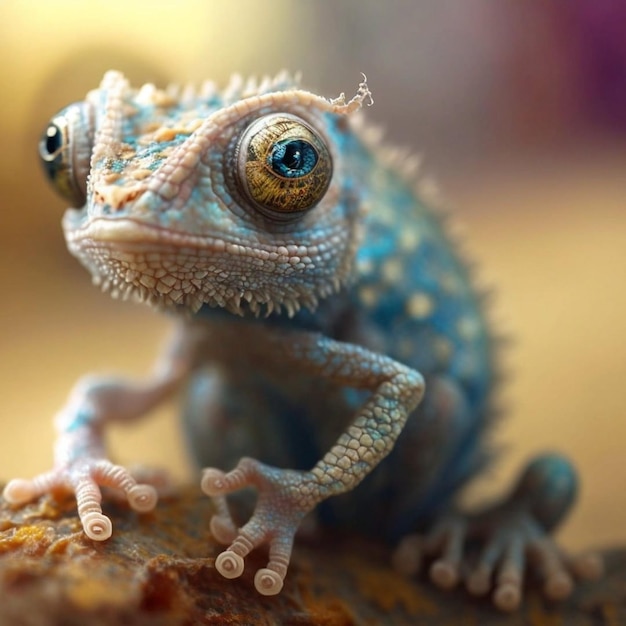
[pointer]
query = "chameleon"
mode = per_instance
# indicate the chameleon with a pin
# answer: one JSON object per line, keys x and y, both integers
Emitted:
{"x": 333, "y": 351}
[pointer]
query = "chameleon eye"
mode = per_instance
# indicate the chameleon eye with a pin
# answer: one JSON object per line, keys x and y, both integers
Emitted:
{"x": 283, "y": 165}
{"x": 65, "y": 150}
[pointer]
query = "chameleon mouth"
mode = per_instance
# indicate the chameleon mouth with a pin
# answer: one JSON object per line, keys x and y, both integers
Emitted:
{"x": 121, "y": 231}
{"x": 171, "y": 270}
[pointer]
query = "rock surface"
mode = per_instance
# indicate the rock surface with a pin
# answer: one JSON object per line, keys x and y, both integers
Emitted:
{"x": 159, "y": 569}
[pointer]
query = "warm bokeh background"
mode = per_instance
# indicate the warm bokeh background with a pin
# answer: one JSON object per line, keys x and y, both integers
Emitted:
{"x": 519, "y": 108}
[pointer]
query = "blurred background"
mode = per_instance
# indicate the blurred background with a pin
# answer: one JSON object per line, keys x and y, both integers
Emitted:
{"x": 520, "y": 112}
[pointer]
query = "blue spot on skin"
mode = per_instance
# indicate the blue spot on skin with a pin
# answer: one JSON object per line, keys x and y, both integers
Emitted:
{"x": 117, "y": 166}
{"x": 82, "y": 419}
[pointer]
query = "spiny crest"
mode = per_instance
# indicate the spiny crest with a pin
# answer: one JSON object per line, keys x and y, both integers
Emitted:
{"x": 407, "y": 165}
{"x": 399, "y": 159}
{"x": 188, "y": 96}
{"x": 236, "y": 89}
{"x": 356, "y": 102}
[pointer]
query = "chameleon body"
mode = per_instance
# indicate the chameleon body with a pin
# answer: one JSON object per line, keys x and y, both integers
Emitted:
{"x": 315, "y": 297}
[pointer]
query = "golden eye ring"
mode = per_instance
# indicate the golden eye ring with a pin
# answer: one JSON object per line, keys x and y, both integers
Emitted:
{"x": 283, "y": 165}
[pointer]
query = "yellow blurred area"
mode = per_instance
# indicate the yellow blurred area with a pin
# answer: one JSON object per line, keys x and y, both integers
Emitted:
{"x": 57, "y": 30}
{"x": 489, "y": 98}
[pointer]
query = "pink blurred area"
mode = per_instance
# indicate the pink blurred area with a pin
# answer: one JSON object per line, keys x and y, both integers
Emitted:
{"x": 520, "y": 112}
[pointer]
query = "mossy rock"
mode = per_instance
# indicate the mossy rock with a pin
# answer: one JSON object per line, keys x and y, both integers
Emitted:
{"x": 159, "y": 569}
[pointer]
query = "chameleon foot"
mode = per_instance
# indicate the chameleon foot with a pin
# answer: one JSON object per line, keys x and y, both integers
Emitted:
{"x": 516, "y": 547}
{"x": 285, "y": 496}
{"x": 84, "y": 478}
{"x": 513, "y": 540}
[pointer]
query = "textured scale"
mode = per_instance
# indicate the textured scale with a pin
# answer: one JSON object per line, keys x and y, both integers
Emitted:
{"x": 315, "y": 296}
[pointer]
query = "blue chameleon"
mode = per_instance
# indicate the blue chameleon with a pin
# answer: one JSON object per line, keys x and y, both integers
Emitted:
{"x": 335, "y": 353}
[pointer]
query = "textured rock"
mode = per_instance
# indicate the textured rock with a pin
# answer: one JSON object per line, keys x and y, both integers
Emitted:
{"x": 158, "y": 569}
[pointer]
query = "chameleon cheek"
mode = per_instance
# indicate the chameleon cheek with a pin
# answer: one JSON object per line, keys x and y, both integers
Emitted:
{"x": 283, "y": 166}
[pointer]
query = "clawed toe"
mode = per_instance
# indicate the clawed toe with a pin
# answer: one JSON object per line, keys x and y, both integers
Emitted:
{"x": 97, "y": 527}
{"x": 407, "y": 557}
{"x": 212, "y": 482}
{"x": 223, "y": 529}
{"x": 586, "y": 566}
{"x": 448, "y": 541}
{"x": 508, "y": 595}
{"x": 19, "y": 491}
{"x": 268, "y": 582}
{"x": 558, "y": 586}
{"x": 142, "y": 498}
{"x": 229, "y": 564}
{"x": 444, "y": 574}
{"x": 478, "y": 581}
{"x": 22, "y": 490}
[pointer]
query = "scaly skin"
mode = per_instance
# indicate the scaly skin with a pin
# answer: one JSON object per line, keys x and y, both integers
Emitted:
{"x": 309, "y": 283}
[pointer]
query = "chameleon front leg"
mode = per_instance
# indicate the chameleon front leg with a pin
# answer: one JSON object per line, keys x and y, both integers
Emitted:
{"x": 286, "y": 496}
{"x": 80, "y": 459}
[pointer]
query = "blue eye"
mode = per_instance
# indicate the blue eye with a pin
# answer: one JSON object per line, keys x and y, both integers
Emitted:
{"x": 284, "y": 166}
{"x": 292, "y": 158}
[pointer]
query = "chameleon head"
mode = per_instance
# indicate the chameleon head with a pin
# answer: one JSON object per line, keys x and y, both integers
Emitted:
{"x": 237, "y": 199}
